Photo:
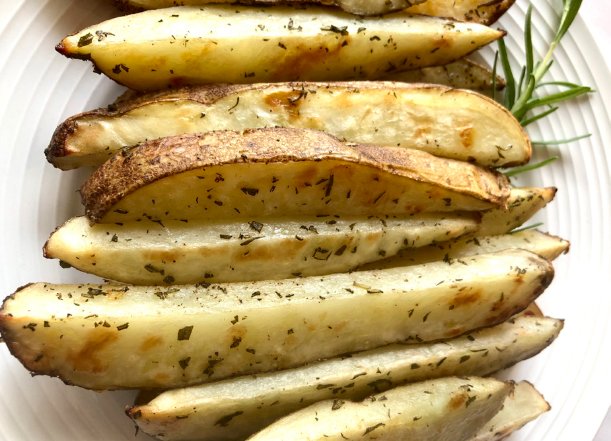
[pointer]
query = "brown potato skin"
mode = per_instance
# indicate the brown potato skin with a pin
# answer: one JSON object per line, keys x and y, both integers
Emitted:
{"x": 153, "y": 160}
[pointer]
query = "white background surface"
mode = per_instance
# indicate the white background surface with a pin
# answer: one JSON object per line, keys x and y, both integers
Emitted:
{"x": 39, "y": 88}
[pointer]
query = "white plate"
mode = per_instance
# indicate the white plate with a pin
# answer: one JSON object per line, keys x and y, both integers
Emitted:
{"x": 39, "y": 88}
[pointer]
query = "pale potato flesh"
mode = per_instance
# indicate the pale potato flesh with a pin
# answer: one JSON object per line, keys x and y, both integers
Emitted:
{"x": 478, "y": 11}
{"x": 273, "y": 172}
{"x": 185, "y": 45}
{"x": 521, "y": 406}
{"x": 543, "y": 244}
{"x": 358, "y": 7}
{"x": 192, "y": 413}
{"x": 446, "y": 409}
{"x": 175, "y": 252}
{"x": 450, "y": 123}
{"x": 88, "y": 334}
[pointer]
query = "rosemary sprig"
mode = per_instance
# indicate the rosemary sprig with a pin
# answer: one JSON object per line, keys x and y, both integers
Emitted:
{"x": 519, "y": 95}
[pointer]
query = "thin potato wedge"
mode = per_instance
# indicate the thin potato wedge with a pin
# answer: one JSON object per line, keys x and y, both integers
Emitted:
{"x": 147, "y": 253}
{"x": 358, "y": 7}
{"x": 478, "y": 11}
{"x": 543, "y": 244}
{"x": 185, "y": 45}
{"x": 446, "y": 409}
{"x": 193, "y": 413}
{"x": 456, "y": 124}
{"x": 521, "y": 406}
{"x": 275, "y": 172}
{"x": 460, "y": 74}
{"x": 522, "y": 204}
{"x": 182, "y": 335}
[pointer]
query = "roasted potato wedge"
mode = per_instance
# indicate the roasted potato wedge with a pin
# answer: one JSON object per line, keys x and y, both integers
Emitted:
{"x": 182, "y": 335}
{"x": 147, "y": 253}
{"x": 446, "y": 409}
{"x": 521, "y": 406}
{"x": 193, "y": 413}
{"x": 460, "y": 74}
{"x": 186, "y": 45}
{"x": 478, "y": 11}
{"x": 445, "y": 122}
{"x": 522, "y": 204}
{"x": 358, "y": 7}
{"x": 260, "y": 173}
{"x": 543, "y": 244}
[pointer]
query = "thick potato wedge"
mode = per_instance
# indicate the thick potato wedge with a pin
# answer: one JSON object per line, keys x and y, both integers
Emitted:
{"x": 447, "y": 409}
{"x": 450, "y": 123}
{"x": 478, "y": 11}
{"x": 186, "y": 45}
{"x": 521, "y": 406}
{"x": 182, "y": 335}
{"x": 147, "y": 253}
{"x": 256, "y": 401}
{"x": 358, "y": 7}
{"x": 543, "y": 244}
{"x": 280, "y": 172}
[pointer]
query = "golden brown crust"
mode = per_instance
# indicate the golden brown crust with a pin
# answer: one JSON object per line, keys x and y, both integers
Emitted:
{"x": 153, "y": 160}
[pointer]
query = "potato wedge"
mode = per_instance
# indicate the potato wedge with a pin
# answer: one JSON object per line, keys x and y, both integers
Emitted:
{"x": 358, "y": 7}
{"x": 185, "y": 45}
{"x": 522, "y": 204}
{"x": 450, "y": 123}
{"x": 182, "y": 335}
{"x": 543, "y": 244}
{"x": 521, "y": 406}
{"x": 478, "y": 11}
{"x": 274, "y": 172}
{"x": 447, "y": 409}
{"x": 147, "y": 253}
{"x": 460, "y": 74}
{"x": 193, "y": 413}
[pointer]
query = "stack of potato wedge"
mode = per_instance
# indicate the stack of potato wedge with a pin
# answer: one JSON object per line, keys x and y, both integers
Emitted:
{"x": 300, "y": 254}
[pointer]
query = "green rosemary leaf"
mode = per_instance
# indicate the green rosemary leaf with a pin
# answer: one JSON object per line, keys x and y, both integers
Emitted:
{"x": 528, "y": 44}
{"x": 529, "y": 167}
{"x": 558, "y": 83}
{"x": 510, "y": 83}
{"x": 557, "y": 97}
{"x": 569, "y": 12}
{"x": 561, "y": 141}
{"x": 537, "y": 117}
